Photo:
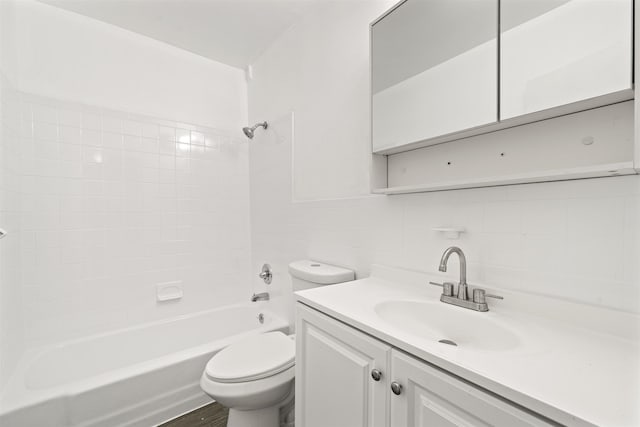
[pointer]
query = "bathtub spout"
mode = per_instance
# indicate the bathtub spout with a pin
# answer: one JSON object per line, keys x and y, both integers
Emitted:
{"x": 264, "y": 296}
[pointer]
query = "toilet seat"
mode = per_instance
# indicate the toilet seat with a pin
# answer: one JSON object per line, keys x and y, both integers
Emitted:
{"x": 250, "y": 394}
{"x": 254, "y": 358}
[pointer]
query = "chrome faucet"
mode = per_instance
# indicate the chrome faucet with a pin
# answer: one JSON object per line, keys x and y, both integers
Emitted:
{"x": 478, "y": 302}
{"x": 462, "y": 285}
{"x": 266, "y": 274}
{"x": 263, "y": 296}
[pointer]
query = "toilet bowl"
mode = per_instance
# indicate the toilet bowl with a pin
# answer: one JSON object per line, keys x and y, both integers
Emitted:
{"x": 254, "y": 377}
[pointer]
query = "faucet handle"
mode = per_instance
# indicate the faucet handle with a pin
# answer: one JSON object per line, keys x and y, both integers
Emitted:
{"x": 266, "y": 274}
{"x": 447, "y": 287}
{"x": 479, "y": 296}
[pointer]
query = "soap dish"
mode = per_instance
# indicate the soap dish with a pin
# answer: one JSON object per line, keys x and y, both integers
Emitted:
{"x": 450, "y": 232}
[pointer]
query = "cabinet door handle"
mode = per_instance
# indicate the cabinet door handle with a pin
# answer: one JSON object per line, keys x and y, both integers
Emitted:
{"x": 376, "y": 374}
{"x": 396, "y": 388}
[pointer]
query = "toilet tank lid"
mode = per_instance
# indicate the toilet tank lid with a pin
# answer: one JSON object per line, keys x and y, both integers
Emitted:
{"x": 317, "y": 272}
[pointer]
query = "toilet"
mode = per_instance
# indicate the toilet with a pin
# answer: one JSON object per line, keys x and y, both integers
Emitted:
{"x": 254, "y": 377}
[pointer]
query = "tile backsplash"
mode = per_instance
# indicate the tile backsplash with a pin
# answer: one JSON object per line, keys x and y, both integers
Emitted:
{"x": 112, "y": 204}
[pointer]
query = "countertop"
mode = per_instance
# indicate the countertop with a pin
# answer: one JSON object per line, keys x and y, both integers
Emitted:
{"x": 575, "y": 364}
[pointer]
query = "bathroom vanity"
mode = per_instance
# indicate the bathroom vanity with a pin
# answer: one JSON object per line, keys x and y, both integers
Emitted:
{"x": 384, "y": 351}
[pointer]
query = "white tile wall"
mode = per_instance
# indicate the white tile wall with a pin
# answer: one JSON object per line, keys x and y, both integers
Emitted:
{"x": 102, "y": 204}
{"x": 11, "y": 326}
{"x": 113, "y": 204}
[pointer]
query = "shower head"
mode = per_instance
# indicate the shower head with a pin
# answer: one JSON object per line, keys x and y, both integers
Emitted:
{"x": 249, "y": 131}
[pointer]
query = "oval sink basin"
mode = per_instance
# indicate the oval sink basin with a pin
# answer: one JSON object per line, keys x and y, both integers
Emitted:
{"x": 438, "y": 321}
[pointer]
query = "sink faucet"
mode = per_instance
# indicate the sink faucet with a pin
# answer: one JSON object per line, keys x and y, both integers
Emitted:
{"x": 263, "y": 296}
{"x": 478, "y": 302}
{"x": 462, "y": 285}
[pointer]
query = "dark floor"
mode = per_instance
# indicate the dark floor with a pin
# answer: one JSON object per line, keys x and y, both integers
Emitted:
{"x": 212, "y": 415}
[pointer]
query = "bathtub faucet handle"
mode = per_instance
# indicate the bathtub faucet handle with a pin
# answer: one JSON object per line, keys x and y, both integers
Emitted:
{"x": 265, "y": 274}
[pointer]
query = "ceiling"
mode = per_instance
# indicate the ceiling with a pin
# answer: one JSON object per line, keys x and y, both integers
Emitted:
{"x": 234, "y": 32}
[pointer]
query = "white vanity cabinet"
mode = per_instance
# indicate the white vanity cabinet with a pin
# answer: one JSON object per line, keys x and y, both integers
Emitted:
{"x": 334, "y": 362}
{"x": 336, "y": 385}
{"x": 431, "y": 397}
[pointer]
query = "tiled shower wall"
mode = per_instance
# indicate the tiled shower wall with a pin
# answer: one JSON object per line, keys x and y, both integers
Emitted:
{"x": 10, "y": 181}
{"x": 113, "y": 204}
{"x": 101, "y": 205}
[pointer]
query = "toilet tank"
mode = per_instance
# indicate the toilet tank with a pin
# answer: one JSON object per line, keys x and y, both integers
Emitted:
{"x": 306, "y": 274}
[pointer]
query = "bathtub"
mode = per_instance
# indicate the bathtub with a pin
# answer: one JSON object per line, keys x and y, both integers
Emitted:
{"x": 139, "y": 376}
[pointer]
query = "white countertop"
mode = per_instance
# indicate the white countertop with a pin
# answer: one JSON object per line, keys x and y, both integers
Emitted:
{"x": 575, "y": 364}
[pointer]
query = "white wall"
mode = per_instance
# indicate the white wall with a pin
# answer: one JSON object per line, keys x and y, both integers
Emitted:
{"x": 133, "y": 171}
{"x": 577, "y": 240}
{"x": 10, "y": 324}
{"x": 71, "y": 57}
{"x": 320, "y": 69}
{"x": 8, "y": 42}
{"x": 11, "y": 327}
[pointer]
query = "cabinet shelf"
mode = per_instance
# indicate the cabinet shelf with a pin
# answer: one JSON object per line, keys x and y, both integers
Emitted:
{"x": 597, "y": 171}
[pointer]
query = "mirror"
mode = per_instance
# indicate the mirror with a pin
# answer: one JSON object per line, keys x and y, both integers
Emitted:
{"x": 558, "y": 52}
{"x": 434, "y": 70}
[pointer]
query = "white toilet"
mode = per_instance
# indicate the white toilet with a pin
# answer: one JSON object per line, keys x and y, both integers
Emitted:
{"x": 254, "y": 377}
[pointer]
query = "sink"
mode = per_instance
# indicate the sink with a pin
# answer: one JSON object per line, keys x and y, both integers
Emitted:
{"x": 448, "y": 324}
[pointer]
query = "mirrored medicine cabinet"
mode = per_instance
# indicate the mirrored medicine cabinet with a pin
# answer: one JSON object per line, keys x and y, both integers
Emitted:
{"x": 455, "y": 81}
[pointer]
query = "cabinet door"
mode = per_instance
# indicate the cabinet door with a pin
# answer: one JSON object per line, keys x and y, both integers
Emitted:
{"x": 558, "y": 52}
{"x": 334, "y": 385}
{"x": 434, "y": 70}
{"x": 433, "y": 398}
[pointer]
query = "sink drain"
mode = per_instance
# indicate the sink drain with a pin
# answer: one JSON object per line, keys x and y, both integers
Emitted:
{"x": 448, "y": 342}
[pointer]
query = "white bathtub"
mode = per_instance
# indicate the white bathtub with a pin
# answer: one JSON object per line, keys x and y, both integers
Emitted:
{"x": 138, "y": 376}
